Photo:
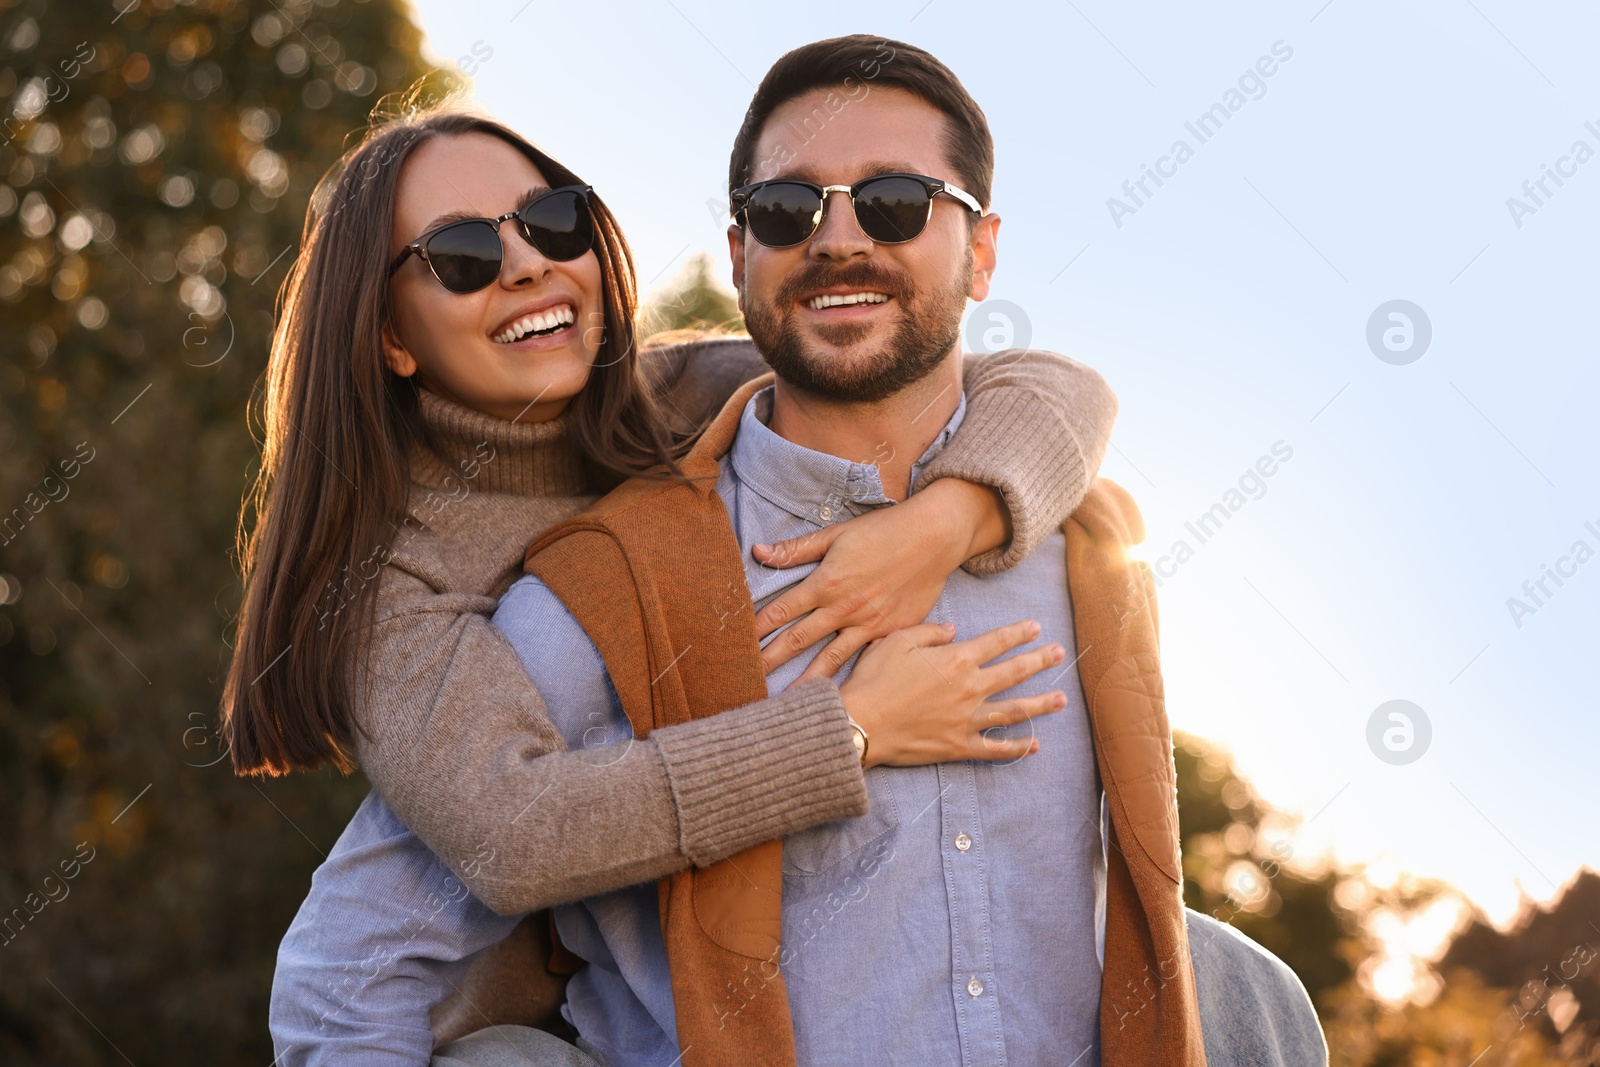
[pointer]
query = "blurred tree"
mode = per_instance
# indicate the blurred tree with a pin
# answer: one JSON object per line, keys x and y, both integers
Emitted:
{"x": 1530, "y": 993}
{"x": 157, "y": 159}
{"x": 1547, "y": 963}
{"x": 1466, "y": 1025}
{"x": 1239, "y": 867}
{"x": 692, "y": 301}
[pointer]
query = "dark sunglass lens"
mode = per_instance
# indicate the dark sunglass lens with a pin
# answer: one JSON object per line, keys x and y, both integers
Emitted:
{"x": 892, "y": 210}
{"x": 465, "y": 257}
{"x": 782, "y": 214}
{"x": 559, "y": 225}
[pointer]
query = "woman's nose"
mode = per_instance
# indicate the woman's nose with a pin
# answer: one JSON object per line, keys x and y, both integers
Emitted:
{"x": 521, "y": 263}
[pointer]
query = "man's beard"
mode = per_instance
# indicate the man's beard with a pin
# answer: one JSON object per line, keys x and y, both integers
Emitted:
{"x": 929, "y": 328}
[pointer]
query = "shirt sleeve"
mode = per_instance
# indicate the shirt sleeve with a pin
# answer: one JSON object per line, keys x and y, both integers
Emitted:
{"x": 384, "y": 935}
{"x": 563, "y": 664}
{"x": 459, "y": 742}
{"x": 1036, "y": 429}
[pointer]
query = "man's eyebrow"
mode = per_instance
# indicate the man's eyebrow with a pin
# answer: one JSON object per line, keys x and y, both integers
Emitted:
{"x": 807, "y": 173}
{"x": 461, "y": 216}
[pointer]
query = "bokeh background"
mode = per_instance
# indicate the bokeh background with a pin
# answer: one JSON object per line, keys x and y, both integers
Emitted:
{"x": 1428, "y": 876}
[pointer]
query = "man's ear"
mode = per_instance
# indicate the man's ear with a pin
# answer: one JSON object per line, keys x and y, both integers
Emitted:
{"x": 985, "y": 239}
{"x": 394, "y": 353}
{"x": 736, "y": 255}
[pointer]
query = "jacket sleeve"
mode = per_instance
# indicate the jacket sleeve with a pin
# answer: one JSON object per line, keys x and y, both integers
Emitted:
{"x": 1036, "y": 429}
{"x": 458, "y": 741}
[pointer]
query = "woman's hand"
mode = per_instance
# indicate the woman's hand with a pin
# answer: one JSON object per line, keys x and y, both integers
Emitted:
{"x": 924, "y": 700}
{"x": 881, "y": 572}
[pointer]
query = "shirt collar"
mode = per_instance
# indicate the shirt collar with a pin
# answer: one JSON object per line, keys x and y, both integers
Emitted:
{"x": 815, "y": 486}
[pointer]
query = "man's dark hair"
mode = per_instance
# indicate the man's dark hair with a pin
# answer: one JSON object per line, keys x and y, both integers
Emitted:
{"x": 860, "y": 59}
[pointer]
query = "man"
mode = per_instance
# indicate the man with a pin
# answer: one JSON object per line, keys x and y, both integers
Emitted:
{"x": 979, "y": 913}
{"x": 967, "y": 917}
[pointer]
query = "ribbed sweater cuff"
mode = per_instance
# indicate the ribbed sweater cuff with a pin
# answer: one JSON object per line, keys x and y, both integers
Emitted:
{"x": 1023, "y": 448}
{"x": 762, "y": 771}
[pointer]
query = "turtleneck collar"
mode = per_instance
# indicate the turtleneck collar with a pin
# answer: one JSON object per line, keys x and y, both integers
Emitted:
{"x": 494, "y": 455}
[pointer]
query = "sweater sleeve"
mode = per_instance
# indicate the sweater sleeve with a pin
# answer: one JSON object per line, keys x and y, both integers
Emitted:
{"x": 1036, "y": 429}
{"x": 458, "y": 742}
{"x": 1037, "y": 426}
{"x": 694, "y": 379}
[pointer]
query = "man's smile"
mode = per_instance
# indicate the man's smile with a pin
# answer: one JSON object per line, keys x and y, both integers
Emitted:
{"x": 847, "y": 305}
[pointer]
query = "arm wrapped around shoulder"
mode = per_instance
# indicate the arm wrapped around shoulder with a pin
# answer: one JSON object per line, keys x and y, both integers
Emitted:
{"x": 1036, "y": 429}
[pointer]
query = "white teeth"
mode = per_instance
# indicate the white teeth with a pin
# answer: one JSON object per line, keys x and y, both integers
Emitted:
{"x": 830, "y": 300}
{"x": 536, "y": 323}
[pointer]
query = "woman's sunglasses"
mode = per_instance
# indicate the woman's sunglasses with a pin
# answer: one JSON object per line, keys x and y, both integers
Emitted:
{"x": 465, "y": 255}
{"x": 890, "y": 208}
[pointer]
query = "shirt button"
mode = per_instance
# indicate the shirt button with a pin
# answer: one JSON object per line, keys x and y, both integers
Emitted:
{"x": 975, "y": 987}
{"x": 825, "y": 513}
{"x": 963, "y": 842}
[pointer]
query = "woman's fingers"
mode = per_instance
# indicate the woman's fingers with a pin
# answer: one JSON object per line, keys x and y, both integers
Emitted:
{"x": 799, "y": 637}
{"x": 807, "y": 548}
{"x": 827, "y": 610}
{"x": 1019, "y": 668}
{"x": 908, "y": 640}
{"x": 790, "y": 605}
{"x": 802, "y": 597}
{"x": 925, "y": 634}
{"x": 836, "y": 653}
{"x": 1010, "y": 712}
{"x": 1003, "y": 748}
{"x": 995, "y": 713}
{"x": 1000, "y": 640}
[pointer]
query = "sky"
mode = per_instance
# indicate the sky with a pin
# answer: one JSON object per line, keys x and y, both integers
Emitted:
{"x": 1427, "y": 458}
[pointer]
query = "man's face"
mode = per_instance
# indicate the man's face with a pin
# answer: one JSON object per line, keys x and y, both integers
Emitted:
{"x": 872, "y": 349}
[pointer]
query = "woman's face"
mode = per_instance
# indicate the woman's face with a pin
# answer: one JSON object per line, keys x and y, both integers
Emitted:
{"x": 457, "y": 343}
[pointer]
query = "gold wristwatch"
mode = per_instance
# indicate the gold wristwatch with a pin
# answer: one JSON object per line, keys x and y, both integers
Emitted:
{"x": 859, "y": 736}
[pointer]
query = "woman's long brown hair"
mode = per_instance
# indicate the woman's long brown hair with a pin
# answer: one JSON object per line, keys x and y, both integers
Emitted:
{"x": 334, "y": 480}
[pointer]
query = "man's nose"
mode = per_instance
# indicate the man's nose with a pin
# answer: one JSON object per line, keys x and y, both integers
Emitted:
{"x": 839, "y": 236}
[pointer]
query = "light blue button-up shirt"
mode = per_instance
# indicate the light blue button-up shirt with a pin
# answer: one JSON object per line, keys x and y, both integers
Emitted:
{"x": 961, "y": 921}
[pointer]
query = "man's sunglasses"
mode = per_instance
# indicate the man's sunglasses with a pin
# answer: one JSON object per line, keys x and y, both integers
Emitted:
{"x": 890, "y": 208}
{"x": 465, "y": 255}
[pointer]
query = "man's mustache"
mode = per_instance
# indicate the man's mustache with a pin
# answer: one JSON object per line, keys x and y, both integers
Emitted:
{"x": 870, "y": 277}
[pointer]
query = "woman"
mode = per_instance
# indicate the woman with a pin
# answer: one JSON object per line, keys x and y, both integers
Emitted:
{"x": 442, "y": 389}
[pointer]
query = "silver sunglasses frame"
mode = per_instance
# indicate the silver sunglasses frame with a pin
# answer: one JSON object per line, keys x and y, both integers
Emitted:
{"x": 741, "y": 198}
